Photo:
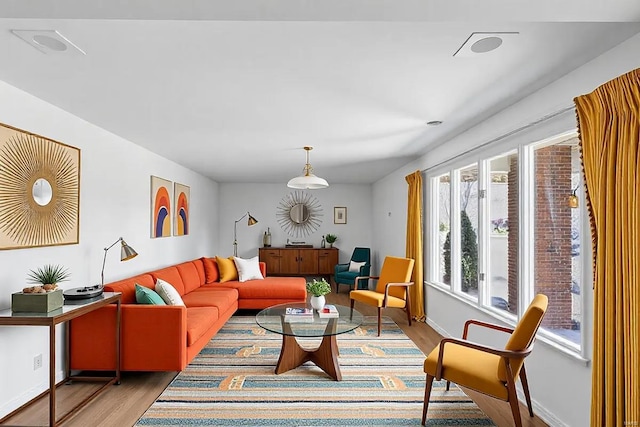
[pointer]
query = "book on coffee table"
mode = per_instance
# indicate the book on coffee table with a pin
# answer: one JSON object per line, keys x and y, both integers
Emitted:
{"x": 298, "y": 315}
{"x": 328, "y": 311}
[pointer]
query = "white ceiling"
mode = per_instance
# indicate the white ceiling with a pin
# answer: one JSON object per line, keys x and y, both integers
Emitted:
{"x": 235, "y": 89}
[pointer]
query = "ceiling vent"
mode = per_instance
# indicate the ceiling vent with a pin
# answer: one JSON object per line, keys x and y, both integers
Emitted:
{"x": 48, "y": 41}
{"x": 479, "y": 43}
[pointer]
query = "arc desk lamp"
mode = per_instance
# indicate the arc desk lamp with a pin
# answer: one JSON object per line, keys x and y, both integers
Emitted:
{"x": 126, "y": 253}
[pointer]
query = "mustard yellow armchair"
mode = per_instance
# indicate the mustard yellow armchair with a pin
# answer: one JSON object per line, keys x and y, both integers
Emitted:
{"x": 391, "y": 289}
{"x": 485, "y": 369}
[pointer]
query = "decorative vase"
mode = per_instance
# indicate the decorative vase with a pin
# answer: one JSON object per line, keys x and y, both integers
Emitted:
{"x": 317, "y": 302}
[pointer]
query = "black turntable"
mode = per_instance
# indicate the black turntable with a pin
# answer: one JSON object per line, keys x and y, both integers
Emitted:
{"x": 83, "y": 292}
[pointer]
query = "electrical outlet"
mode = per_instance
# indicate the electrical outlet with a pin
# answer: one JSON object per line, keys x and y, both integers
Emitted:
{"x": 37, "y": 362}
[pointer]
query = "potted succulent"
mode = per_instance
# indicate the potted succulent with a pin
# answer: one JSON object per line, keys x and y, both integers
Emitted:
{"x": 318, "y": 289}
{"x": 49, "y": 276}
{"x": 331, "y": 238}
{"x": 44, "y": 296}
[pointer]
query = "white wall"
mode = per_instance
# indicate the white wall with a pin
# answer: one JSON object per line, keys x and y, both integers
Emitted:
{"x": 560, "y": 385}
{"x": 262, "y": 201}
{"x": 114, "y": 202}
{"x": 390, "y": 216}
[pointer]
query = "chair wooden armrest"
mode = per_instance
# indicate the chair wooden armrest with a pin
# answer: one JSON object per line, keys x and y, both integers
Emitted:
{"x": 386, "y": 290}
{"x": 507, "y": 355}
{"x": 365, "y": 277}
{"x": 486, "y": 325}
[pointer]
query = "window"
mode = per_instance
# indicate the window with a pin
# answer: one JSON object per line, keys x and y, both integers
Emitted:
{"x": 557, "y": 260}
{"x": 502, "y": 204}
{"x": 468, "y": 189}
{"x": 479, "y": 253}
{"x": 444, "y": 226}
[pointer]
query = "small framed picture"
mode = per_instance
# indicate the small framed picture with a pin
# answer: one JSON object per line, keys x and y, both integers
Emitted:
{"x": 339, "y": 215}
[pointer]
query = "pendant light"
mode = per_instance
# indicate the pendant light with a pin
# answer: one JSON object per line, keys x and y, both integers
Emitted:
{"x": 308, "y": 181}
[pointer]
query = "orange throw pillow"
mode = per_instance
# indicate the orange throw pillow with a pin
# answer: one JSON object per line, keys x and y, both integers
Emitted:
{"x": 227, "y": 269}
{"x": 211, "y": 273}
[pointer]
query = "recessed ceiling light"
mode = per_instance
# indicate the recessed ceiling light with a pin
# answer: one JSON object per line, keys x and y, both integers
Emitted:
{"x": 48, "y": 41}
{"x": 434, "y": 123}
{"x": 486, "y": 45}
{"x": 479, "y": 43}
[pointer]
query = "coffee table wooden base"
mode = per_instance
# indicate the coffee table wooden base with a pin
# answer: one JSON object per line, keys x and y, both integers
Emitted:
{"x": 325, "y": 356}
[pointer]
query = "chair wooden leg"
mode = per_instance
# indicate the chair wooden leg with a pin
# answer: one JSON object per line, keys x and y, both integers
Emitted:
{"x": 408, "y": 306}
{"x": 379, "y": 320}
{"x": 513, "y": 401}
{"x": 448, "y": 384}
{"x": 351, "y": 312}
{"x": 525, "y": 387}
{"x": 427, "y": 395}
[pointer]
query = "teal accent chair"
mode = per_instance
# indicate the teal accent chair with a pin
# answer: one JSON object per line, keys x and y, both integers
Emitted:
{"x": 342, "y": 275}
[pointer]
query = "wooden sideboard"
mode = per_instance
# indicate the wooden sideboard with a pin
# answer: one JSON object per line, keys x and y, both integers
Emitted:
{"x": 299, "y": 261}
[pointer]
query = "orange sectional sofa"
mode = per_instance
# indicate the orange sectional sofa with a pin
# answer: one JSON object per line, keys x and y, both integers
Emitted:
{"x": 165, "y": 337}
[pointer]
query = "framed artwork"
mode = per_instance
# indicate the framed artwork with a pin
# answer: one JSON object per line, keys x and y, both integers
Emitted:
{"x": 39, "y": 190}
{"x": 339, "y": 215}
{"x": 160, "y": 207}
{"x": 181, "y": 215}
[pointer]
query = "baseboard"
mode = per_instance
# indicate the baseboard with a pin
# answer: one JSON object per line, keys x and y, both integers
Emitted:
{"x": 437, "y": 327}
{"x": 23, "y": 398}
{"x": 539, "y": 410}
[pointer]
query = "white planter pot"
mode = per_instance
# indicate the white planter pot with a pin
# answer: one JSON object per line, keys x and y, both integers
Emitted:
{"x": 317, "y": 302}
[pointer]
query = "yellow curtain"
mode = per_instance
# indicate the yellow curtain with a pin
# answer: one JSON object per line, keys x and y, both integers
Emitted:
{"x": 609, "y": 126}
{"x": 414, "y": 243}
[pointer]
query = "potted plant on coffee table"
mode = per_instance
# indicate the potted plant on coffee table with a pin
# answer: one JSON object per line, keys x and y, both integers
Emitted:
{"x": 318, "y": 289}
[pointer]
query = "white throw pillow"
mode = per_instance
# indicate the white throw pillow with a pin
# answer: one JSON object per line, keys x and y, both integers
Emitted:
{"x": 355, "y": 266}
{"x": 168, "y": 293}
{"x": 248, "y": 269}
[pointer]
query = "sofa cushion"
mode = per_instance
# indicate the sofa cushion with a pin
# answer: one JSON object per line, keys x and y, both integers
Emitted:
{"x": 200, "y": 269}
{"x": 284, "y": 288}
{"x": 127, "y": 287}
{"x": 145, "y": 295}
{"x": 189, "y": 275}
{"x": 199, "y": 320}
{"x": 170, "y": 275}
{"x": 248, "y": 269}
{"x": 227, "y": 269}
{"x": 168, "y": 293}
{"x": 211, "y": 273}
{"x": 208, "y": 296}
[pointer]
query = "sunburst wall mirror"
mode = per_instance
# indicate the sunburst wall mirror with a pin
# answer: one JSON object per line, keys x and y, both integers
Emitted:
{"x": 39, "y": 190}
{"x": 299, "y": 214}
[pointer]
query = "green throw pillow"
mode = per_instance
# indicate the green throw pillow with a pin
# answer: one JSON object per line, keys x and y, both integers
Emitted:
{"x": 145, "y": 295}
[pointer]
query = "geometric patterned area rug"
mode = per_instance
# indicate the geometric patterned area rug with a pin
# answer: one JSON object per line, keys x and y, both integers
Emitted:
{"x": 232, "y": 383}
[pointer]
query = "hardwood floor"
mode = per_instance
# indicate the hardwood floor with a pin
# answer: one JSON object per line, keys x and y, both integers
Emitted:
{"x": 122, "y": 405}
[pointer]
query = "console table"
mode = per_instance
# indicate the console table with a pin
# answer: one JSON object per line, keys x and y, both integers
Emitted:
{"x": 299, "y": 261}
{"x": 70, "y": 310}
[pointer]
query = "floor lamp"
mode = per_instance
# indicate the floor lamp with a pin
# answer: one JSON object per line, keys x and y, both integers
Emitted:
{"x": 251, "y": 221}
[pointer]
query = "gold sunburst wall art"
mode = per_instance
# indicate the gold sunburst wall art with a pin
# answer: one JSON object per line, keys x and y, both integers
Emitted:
{"x": 299, "y": 214}
{"x": 39, "y": 190}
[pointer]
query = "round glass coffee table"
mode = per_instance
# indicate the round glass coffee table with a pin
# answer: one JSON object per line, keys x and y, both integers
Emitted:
{"x": 292, "y": 355}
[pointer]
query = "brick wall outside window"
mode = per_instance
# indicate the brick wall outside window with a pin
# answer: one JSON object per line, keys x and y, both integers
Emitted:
{"x": 553, "y": 233}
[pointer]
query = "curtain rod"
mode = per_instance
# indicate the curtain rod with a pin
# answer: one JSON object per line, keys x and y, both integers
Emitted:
{"x": 508, "y": 134}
